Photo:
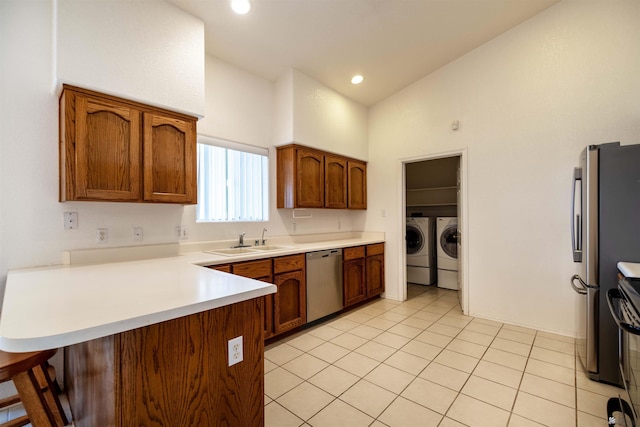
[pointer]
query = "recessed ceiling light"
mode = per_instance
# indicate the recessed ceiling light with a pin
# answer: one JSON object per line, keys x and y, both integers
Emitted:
{"x": 357, "y": 79}
{"x": 241, "y": 7}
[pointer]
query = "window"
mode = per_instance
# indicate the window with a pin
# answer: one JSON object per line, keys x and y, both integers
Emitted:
{"x": 233, "y": 181}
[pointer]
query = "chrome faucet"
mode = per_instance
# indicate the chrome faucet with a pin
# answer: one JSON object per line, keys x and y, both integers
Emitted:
{"x": 241, "y": 240}
{"x": 263, "y": 241}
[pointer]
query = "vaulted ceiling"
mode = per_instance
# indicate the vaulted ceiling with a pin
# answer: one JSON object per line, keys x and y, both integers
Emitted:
{"x": 392, "y": 43}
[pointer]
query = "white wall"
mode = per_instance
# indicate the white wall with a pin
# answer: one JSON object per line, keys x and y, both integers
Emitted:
{"x": 283, "y": 109}
{"x": 31, "y": 225}
{"x": 528, "y": 102}
{"x": 238, "y": 105}
{"x": 325, "y": 119}
{"x": 151, "y": 52}
{"x": 238, "y": 108}
{"x": 29, "y": 216}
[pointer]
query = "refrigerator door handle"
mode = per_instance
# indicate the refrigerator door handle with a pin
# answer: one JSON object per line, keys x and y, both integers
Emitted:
{"x": 576, "y": 223}
{"x": 583, "y": 288}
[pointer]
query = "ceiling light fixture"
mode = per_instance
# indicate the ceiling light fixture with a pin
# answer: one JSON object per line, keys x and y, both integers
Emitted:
{"x": 357, "y": 79}
{"x": 241, "y": 7}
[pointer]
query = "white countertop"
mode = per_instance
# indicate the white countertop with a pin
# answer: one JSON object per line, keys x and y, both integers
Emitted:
{"x": 52, "y": 307}
{"x": 629, "y": 269}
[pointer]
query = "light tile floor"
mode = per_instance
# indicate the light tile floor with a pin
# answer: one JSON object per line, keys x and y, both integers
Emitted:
{"x": 423, "y": 363}
{"x": 17, "y": 410}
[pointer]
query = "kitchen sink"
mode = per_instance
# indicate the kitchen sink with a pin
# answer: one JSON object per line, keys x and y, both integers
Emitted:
{"x": 269, "y": 247}
{"x": 246, "y": 250}
{"x": 231, "y": 251}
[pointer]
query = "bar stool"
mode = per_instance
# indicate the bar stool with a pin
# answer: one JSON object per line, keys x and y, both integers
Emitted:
{"x": 32, "y": 376}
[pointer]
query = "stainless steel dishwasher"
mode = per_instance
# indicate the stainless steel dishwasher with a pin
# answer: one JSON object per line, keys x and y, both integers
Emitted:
{"x": 324, "y": 283}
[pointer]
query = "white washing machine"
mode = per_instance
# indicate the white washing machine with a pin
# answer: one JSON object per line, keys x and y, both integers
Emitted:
{"x": 447, "y": 252}
{"x": 420, "y": 250}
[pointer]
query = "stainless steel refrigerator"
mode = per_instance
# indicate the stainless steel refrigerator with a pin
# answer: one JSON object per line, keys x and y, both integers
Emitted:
{"x": 605, "y": 230}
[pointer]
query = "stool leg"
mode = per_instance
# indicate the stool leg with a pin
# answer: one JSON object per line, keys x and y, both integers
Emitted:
{"x": 51, "y": 395}
{"x": 34, "y": 403}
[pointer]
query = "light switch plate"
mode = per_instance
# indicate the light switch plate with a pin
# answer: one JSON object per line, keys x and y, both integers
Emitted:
{"x": 70, "y": 220}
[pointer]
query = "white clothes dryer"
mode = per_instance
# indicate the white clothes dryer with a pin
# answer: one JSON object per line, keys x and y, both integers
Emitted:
{"x": 420, "y": 250}
{"x": 447, "y": 252}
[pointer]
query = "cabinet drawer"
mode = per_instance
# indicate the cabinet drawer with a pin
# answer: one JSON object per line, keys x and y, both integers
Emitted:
{"x": 222, "y": 267}
{"x": 288, "y": 263}
{"x": 375, "y": 249}
{"x": 253, "y": 269}
{"x": 353, "y": 253}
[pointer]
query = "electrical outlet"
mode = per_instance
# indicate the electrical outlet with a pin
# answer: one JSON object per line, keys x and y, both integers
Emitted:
{"x": 137, "y": 234}
{"x": 235, "y": 350}
{"x": 294, "y": 226}
{"x": 182, "y": 233}
{"x": 70, "y": 220}
{"x": 102, "y": 236}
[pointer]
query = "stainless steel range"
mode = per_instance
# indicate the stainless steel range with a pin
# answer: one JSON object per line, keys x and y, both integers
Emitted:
{"x": 624, "y": 306}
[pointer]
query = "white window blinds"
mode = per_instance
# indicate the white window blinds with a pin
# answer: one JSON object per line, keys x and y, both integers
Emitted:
{"x": 233, "y": 181}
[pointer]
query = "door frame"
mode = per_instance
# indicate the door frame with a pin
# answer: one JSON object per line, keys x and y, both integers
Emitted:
{"x": 463, "y": 221}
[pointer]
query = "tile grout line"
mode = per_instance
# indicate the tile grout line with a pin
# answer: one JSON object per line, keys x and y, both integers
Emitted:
{"x": 397, "y": 395}
{"x": 441, "y": 315}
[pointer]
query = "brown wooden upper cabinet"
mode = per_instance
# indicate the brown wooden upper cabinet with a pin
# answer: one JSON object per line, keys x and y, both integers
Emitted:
{"x": 113, "y": 149}
{"x": 310, "y": 182}
{"x": 357, "y": 190}
{"x": 309, "y": 178}
{"x": 335, "y": 183}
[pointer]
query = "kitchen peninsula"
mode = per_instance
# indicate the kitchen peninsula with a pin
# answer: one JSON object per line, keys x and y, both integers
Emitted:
{"x": 146, "y": 342}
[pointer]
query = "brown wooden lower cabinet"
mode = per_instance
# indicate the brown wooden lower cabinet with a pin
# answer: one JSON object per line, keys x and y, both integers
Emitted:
{"x": 222, "y": 267}
{"x": 374, "y": 269}
{"x": 268, "y": 323}
{"x": 363, "y": 273}
{"x": 287, "y": 308}
{"x": 173, "y": 373}
{"x": 354, "y": 281}
{"x": 260, "y": 270}
{"x": 353, "y": 275}
{"x": 290, "y": 305}
{"x": 289, "y": 302}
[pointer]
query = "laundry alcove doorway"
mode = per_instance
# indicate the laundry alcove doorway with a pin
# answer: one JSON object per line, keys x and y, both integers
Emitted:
{"x": 434, "y": 186}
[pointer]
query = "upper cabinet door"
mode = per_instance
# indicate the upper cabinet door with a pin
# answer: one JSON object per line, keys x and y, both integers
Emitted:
{"x": 357, "y": 185}
{"x": 310, "y": 182}
{"x": 109, "y": 153}
{"x": 169, "y": 159}
{"x": 335, "y": 189}
{"x": 107, "y": 150}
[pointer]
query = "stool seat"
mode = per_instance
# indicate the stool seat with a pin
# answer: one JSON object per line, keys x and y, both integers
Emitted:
{"x": 30, "y": 373}
{"x": 14, "y": 363}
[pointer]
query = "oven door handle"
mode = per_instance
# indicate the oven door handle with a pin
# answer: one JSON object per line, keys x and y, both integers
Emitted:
{"x": 613, "y": 294}
{"x": 583, "y": 289}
